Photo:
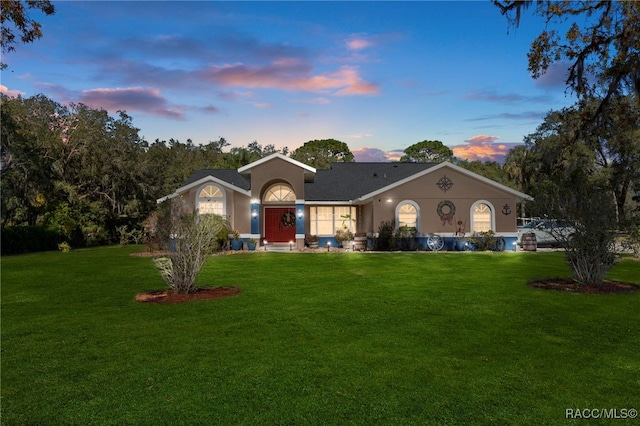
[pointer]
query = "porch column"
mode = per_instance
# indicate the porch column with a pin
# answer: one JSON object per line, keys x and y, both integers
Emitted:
{"x": 300, "y": 224}
{"x": 255, "y": 217}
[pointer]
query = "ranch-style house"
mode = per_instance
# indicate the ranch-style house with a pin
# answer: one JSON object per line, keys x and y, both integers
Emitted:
{"x": 278, "y": 200}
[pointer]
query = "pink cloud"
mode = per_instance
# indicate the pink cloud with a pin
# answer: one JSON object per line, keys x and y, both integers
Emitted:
{"x": 291, "y": 75}
{"x": 10, "y": 93}
{"x": 358, "y": 43}
{"x": 483, "y": 148}
{"x": 375, "y": 155}
{"x": 147, "y": 100}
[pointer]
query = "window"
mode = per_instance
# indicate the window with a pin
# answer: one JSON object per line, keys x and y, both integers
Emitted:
{"x": 279, "y": 193}
{"x": 326, "y": 220}
{"x": 407, "y": 214}
{"x": 211, "y": 200}
{"x": 482, "y": 219}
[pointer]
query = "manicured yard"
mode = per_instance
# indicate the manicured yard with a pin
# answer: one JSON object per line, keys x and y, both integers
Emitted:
{"x": 327, "y": 338}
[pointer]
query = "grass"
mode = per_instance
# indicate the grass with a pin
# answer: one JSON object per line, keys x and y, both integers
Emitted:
{"x": 327, "y": 338}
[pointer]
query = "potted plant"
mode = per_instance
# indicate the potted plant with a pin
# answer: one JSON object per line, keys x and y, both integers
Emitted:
{"x": 344, "y": 235}
{"x": 312, "y": 241}
{"x": 251, "y": 244}
{"x": 236, "y": 242}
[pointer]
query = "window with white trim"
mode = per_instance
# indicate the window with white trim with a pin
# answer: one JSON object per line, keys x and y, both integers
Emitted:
{"x": 481, "y": 217}
{"x": 407, "y": 214}
{"x": 278, "y": 193}
{"x": 326, "y": 220}
{"x": 211, "y": 200}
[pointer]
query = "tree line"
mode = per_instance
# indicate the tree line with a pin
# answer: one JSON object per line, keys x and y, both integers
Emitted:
{"x": 92, "y": 178}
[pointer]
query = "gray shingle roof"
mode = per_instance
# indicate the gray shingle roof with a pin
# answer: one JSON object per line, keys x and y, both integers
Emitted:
{"x": 230, "y": 176}
{"x": 342, "y": 182}
{"x": 348, "y": 181}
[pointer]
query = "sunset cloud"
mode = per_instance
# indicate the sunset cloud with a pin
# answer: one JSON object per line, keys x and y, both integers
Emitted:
{"x": 358, "y": 43}
{"x": 291, "y": 75}
{"x": 483, "y": 148}
{"x": 147, "y": 100}
{"x": 375, "y": 155}
{"x": 11, "y": 93}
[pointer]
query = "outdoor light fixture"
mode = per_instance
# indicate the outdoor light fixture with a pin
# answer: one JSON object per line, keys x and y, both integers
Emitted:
{"x": 290, "y": 245}
{"x": 515, "y": 245}
{"x": 254, "y": 213}
{"x": 299, "y": 214}
{"x": 328, "y": 245}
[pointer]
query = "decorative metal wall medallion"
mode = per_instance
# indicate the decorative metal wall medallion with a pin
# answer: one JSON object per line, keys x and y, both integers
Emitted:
{"x": 506, "y": 210}
{"x": 444, "y": 183}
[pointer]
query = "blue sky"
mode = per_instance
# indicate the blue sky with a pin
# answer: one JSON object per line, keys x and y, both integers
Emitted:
{"x": 379, "y": 76}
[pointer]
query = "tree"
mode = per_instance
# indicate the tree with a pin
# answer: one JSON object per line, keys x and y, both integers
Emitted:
{"x": 489, "y": 169}
{"x": 601, "y": 46}
{"x": 571, "y": 186}
{"x": 14, "y": 19}
{"x": 427, "y": 152}
{"x": 195, "y": 239}
{"x": 321, "y": 153}
{"x": 613, "y": 140}
{"x": 72, "y": 169}
{"x": 516, "y": 169}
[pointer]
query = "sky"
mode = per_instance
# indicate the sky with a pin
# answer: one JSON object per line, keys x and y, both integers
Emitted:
{"x": 379, "y": 76}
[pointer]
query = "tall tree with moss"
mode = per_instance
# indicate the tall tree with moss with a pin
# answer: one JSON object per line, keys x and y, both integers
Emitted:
{"x": 601, "y": 46}
{"x": 572, "y": 185}
{"x": 321, "y": 153}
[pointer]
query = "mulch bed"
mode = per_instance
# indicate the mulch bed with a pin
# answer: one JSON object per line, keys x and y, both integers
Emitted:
{"x": 200, "y": 293}
{"x": 569, "y": 285}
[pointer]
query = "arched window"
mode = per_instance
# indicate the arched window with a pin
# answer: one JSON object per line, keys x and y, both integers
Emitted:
{"x": 407, "y": 214}
{"x": 211, "y": 200}
{"x": 278, "y": 193}
{"x": 482, "y": 217}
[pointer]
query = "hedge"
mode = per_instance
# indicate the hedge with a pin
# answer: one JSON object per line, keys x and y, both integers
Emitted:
{"x": 28, "y": 239}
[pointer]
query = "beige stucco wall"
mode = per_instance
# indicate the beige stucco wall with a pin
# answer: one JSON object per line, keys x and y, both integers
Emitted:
{"x": 238, "y": 206}
{"x": 465, "y": 191}
{"x": 273, "y": 171}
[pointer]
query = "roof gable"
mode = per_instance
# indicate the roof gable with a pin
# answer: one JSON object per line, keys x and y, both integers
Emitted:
{"x": 226, "y": 178}
{"x": 248, "y": 167}
{"x": 449, "y": 165}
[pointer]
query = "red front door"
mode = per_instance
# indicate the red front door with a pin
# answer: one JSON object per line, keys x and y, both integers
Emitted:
{"x": 276, "y": 220}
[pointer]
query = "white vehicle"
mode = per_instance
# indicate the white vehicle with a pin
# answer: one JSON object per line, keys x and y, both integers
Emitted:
{"x": 549, "y": 233}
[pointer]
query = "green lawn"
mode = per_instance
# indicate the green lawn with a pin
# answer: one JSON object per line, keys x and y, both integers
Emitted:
{"x": 327, "y": 338}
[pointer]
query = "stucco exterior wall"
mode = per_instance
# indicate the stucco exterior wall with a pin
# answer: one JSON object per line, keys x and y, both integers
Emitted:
{"x": 237, "y": 205}
{"x": 276, "y": 170}
{"x": 463, "y": 193}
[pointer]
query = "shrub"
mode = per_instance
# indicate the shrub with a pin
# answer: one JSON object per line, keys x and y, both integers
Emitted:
{"x": 483, "y": 241}
{"x": 632, "y": 241}
{"x": 195, "y": 239}
{"x": 28, "y": 239}
{"x": 385, "y": 241}
{"x": 406, "y": 238}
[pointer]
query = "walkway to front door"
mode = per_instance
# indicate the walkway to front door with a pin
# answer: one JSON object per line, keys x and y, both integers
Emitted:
{"x": 280, "y": 224}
